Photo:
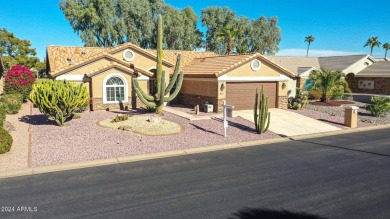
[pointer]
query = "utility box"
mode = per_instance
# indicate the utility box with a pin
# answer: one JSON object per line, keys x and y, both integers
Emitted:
{"x": 351, "y": 116}
{"x": 229, "y": 112}
{"x": 209, "y": 108}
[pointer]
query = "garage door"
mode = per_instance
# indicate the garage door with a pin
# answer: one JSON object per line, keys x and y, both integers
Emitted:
{"x": 242, "y": 94}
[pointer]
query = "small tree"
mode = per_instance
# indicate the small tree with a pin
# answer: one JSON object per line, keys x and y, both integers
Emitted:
{"x": 59, "y": 100}
{"x": 386, "y": 46}
{"x": 309, "y": 40}
{"x": 228, "y": 34}
{"x": 328, "y": 82}
{"x": 19, "y": 79}
{"x": 372, "y": 42}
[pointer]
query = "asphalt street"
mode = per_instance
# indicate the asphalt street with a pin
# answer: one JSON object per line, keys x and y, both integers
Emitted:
{"x": 344, "y": 176}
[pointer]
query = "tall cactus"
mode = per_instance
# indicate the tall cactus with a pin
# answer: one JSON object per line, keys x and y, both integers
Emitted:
{"x": 59, "y": 100}
{"x": 261, "y": 115}
{"x": 157, "y": 100}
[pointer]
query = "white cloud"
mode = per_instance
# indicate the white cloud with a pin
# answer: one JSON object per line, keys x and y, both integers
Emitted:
{"x": 315, "y": 53}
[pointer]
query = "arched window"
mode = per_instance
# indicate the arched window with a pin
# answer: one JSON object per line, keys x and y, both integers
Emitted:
{"x": 115, "y": 89}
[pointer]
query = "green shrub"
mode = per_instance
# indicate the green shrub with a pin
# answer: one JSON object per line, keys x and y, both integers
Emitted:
{"x": 59, "y": 100}
{"x": 3, "y": 112}
{"x": 120, "y": 118}
{"x": 314, "y": 95}
{"x": 380, "y": 106}
{"x": 5, "y": 141}
{"x": 300, "y": 101}
{"x": 13, "y": 102}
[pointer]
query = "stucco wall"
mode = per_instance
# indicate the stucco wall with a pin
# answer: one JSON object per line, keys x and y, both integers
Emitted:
{"x": 90, "y": 67}
{"x": 140, "y": 61}
{"x": 246, "y": 71}
{"x": 359, "y": 66}
{"x": 1, "y": 85}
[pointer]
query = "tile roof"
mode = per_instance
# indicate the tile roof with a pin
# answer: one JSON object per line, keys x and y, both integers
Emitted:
{"x": 339, "y": 63}
{"x": 218, "y": 65}
{"x": 381, "y": 68}
{"x": 186, "y": 56}
{"x": 60, "y": 57}
{"x": 57, "y": 55}
{"x": 294, "y": 63}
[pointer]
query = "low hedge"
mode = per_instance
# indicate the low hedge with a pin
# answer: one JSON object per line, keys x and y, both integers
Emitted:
{"x": 5, "y": 141}
{"x": 13, "y": 101}
{"x": 3, "y": 112}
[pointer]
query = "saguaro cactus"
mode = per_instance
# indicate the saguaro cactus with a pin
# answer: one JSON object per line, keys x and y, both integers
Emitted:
{"x": 157, "y": 100}
{"x": 261, "y": 115}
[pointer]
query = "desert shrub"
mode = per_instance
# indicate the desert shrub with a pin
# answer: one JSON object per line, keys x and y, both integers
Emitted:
{"x": 300, "y": 101}
{"x": 83, "y": 106}
{"x": 13, "y": 102}
{"x": 19, "y": 79}
{"x": 314, "y": 95}
{"x": 59, "y": 100}
{"x": 3, "y": 112}
{"x": 380, "y": 106}
{"x": 120, "y": 118}
{"x": 5, "y": 141}
{"x": 76, "y": 116}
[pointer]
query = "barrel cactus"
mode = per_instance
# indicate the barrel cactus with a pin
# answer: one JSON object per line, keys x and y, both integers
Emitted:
{"x": 157, "y": 100}
{"x": 262, "y": 117}
{"x": 59, "y": 100}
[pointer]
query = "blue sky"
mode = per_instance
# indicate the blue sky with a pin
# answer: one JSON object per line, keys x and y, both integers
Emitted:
{"x": 340, "y": 27}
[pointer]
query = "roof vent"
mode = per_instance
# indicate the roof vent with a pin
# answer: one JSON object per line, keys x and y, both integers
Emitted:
{"x": 82, "y": 52}
{"x": 70, "y": 62}
{"x": 128, "y": 55}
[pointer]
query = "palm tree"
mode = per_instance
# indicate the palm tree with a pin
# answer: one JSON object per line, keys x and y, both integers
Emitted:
{"x": 228, "y": 34}
{"x": 372, "y": 42}
{"x": 328, "y": 82}
{"x": 309, "y": 39}
{"x": 386, "y": 46}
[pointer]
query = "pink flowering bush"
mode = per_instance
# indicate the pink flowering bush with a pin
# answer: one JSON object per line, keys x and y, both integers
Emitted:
{"x": 19, "y": 79}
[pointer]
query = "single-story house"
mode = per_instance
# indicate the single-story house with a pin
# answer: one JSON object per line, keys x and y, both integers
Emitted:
{"x": 208, "y": 77}
{"x": 364, "y": 73}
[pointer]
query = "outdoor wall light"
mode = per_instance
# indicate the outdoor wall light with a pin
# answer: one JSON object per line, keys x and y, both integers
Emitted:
{"x": 222, "y": 88}
{"x": 283, "y": 85}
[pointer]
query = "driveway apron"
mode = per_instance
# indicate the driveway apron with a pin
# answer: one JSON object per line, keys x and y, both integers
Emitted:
{"x": 287, "y": 123}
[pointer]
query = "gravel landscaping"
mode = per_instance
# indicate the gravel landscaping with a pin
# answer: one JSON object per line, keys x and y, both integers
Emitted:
{"x": 334, "y": 115}
{"x": 83, "y": 139}
{"x": 191, "y": 111}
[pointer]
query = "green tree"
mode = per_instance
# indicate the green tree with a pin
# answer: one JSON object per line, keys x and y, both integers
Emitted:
{"x": 309, "y": 39}
{"x": 180, "y": 32}
{"x": 215, "y": 19}
{"x": 386, "y": 46}
{"x": 328, "y": 82}
{"x": 227, "y": 35}
{"x": 262, "y": 35}
{"x": 372, "y": 42}
{"x": 265, "y": 35}
{"x": 15, "y": 51}
{"x": 95, "y": 21}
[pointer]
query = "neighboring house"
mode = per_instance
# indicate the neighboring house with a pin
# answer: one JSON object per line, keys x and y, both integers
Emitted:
{"x": 364, "y": 73}
{"x": 374, "y": 79}
{"x": 107, "y": 73}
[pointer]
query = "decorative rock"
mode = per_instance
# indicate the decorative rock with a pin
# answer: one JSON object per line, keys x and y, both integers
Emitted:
{"x": 154, "y": 119}
{"x": 124, "y": 128}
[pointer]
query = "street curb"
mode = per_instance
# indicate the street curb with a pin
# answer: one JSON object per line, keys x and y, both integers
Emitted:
{"x": 184, "y": 152}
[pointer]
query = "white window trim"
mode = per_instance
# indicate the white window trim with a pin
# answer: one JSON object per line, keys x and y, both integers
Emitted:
{"x": 126, "y": 97}
{"x": 124, "y": 57}
{"x": 258, "y": 68}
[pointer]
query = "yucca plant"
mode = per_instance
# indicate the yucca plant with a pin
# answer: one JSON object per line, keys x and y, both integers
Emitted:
{"x": 380, "y": 106}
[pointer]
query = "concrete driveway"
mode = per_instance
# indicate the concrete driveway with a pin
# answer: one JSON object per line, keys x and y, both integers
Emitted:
{"x": 287, "y": 123}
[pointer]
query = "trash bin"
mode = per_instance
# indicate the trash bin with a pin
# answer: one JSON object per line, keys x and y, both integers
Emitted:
{"x": 350, "y": 116}
{"x": 209, "y": 108}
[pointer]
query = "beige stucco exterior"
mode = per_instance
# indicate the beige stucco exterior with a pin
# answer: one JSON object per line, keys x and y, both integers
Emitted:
{"x": 1, "y": 85}
{"x": 246, "y": 71}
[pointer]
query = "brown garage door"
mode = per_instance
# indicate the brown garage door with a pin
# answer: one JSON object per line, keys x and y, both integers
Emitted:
{"x": 242, "y": 94}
